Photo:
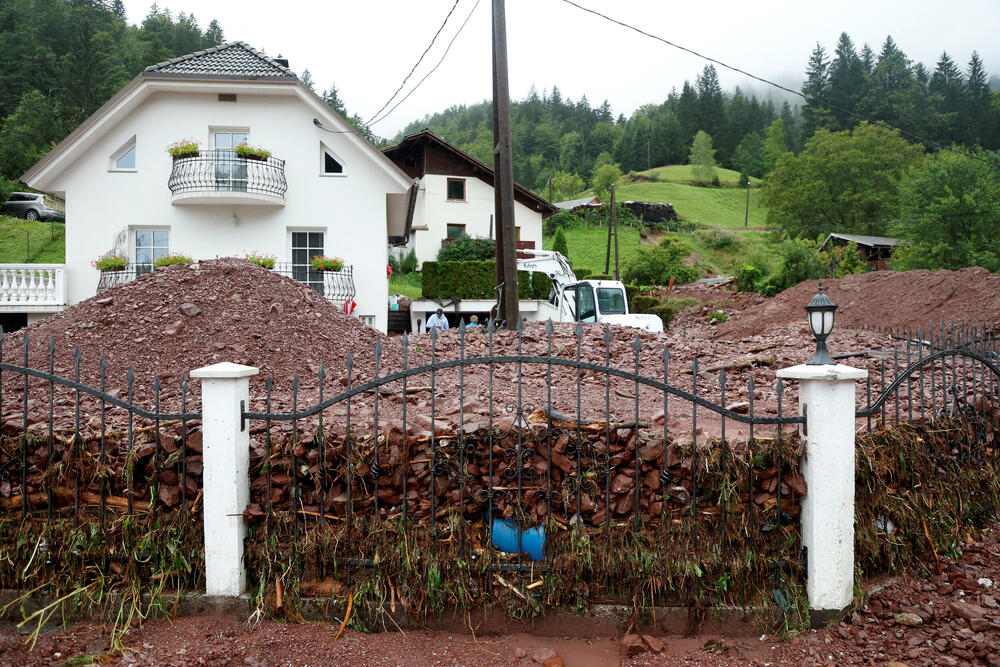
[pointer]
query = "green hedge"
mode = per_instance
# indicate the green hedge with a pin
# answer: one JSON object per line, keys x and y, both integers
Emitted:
{"x": 476, "y": 280}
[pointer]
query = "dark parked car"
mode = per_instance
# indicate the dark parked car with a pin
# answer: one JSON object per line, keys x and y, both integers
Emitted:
{"x": 34, "y": 206}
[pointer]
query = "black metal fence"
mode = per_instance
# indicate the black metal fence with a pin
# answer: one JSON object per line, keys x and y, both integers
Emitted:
{"x": 224, "y": 171}
{"x": 946, "y": 370}
{"x": 506, "y": 454}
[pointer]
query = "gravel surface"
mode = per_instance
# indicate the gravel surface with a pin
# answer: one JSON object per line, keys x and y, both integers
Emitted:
{"x": 951, "y": 618}
{"x": 171, "y": 321}
{"x": 905, "y": 299}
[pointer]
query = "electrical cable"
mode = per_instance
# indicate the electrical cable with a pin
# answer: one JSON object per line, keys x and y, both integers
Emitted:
{"x": 433, "y": 69}
{"x": 419, "y": 60}
{"x": 807, "y": 98}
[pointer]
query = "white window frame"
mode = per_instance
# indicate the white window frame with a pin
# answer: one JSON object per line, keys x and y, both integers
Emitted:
{"x": 119, "y": 154}
{"x": 212, "y": 132}
{"x": 323, "y": 150}
{"x": 288, "y": 245}
{"x": 132, "y": 245}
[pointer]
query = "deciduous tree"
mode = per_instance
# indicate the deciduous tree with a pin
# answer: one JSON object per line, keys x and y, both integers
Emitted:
{"x": 842, "y": 182}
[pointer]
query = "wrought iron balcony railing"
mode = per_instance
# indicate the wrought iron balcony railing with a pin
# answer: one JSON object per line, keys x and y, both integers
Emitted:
{"x": 224, "y": 172}
{"x": 336, "y": 286}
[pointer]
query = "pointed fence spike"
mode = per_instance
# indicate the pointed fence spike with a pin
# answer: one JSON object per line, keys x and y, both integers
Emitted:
{"x": 322, "y": 372}
{"x": 490, "y": 326}
{"x": 694, "y": 366}
{"x": 52, "y": 344}
{"x": 607, "y": 334}
{"x": 295, "y": 382}
{"x": 405, "y": 342}
{"x": 520, "y": 324}
{"x": 267, "y": 382}
{"x": 579, "y": 330}
{"x": 130, "y": 376}
{"x": 156, "y": 384}
{"x": 434, "y": 334}
{"x": 350, "y": 360}
{"x": 750, "y": 385}
{"x": 780, "y": 387}
{"x": 637, "y": 345}
{"x": 548, "y": 326}
{"x": 103, "y": 365}
{"x": 722, "y": 377}
{"x": 77, "y": 354}
{"x": 378, "y": 349}
{"x": 184, "y": 384}
{"x": 26, "y": 338}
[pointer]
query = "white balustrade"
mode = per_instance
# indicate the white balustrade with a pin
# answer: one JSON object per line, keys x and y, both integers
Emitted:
{"x": 32, "y": 285}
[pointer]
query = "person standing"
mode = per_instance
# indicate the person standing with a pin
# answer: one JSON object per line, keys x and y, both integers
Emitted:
{"x": 437, "y": 321}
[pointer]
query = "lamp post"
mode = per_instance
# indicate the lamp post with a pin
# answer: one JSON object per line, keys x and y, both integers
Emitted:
{"x": 820, "y": 309}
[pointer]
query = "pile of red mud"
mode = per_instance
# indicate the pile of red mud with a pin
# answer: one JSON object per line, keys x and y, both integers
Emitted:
{"x": 904, "y": 299}
{"x": 166, "y": 323}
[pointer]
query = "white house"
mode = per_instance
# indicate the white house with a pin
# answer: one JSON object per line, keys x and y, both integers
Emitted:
{"x": 324, "y": 190}
{"x": 455, "y": 196}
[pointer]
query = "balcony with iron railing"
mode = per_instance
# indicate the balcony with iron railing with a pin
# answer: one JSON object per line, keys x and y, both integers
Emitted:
{"x": 222, "y": 177}
{"x": 337, "y": 286}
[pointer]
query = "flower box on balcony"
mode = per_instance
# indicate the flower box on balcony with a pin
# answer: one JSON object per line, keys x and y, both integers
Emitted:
{"x": 324, "y": 263}
{"x": 184, "y": 148}
{"x": 252, "y": 152}
{"x": 110, "y": 261}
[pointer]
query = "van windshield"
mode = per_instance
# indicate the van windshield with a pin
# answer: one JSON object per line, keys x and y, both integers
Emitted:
{"x": 611, "y": 301}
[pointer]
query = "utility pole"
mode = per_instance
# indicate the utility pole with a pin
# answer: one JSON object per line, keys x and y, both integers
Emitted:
{"x": 503, "y": 173}
{"x": 612, "y": 231}
{"x": 614, "y": 226}
{"x": 746, "y": 218}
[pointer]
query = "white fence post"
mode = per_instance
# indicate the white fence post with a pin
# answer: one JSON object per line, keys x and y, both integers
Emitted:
{"x": 826, "y": 398}
{"x": 226, "y": 478}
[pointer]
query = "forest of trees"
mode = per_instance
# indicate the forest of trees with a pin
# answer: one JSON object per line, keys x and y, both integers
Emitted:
{"x": 559, "y": 139}
{"x": 62, "y": 59}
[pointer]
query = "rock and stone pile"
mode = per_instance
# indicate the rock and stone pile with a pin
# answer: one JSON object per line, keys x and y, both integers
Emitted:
{"x": 173, "y": 320}
{"x": 904, "y": 299}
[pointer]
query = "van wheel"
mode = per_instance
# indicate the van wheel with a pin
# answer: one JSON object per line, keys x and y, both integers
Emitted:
{"x": 31, "y": 215}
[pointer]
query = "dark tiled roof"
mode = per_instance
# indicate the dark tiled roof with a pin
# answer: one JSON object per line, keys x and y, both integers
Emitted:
{"x": 232, "y": 60}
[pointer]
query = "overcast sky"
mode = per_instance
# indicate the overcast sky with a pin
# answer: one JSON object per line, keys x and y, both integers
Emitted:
{"x": 368, "y": 47}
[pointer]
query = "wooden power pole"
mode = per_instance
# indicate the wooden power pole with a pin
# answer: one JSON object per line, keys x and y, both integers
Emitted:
{"x": 614, "y": 226}
{"x": 503, "y": 173}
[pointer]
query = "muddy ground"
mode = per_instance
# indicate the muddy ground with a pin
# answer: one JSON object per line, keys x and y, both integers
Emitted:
{"x": 921, "y": 618}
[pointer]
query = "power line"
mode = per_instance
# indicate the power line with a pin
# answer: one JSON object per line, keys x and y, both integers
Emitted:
{"x": 433, "y": 69}
{"x": 768, "y": 82}
{"x": 419, "y": 60}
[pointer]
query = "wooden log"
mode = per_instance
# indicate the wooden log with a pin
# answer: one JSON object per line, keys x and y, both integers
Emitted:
{"x": 748, "y": 362}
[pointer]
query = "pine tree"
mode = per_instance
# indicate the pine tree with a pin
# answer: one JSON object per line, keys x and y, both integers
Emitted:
{"x": 213, "y": 35}
{"x": 947, "y": 89}
{"x": 702, "y": 158}
{"x": 710, "y": 102}
{"x": 847, "y": 78}
{"x": 307, "y": 79}
{"x": 816, "y": 88}
{"x": 977, "y": 101}
{"x": 559, "y": 243}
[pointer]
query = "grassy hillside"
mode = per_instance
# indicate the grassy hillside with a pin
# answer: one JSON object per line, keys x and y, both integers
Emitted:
{"x": 682, "y": 173}
{"x": 708, "y": 208}
{"x": 23, "y": 241}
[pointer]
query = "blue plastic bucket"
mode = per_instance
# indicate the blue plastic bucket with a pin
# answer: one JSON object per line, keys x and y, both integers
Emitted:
{"x": 504, "y": 537}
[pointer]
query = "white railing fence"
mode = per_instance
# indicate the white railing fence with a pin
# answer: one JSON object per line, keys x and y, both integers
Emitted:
{"x": 33, "y": 284}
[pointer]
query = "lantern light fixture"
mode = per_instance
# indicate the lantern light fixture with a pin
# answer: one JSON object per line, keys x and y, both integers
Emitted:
{"x": 820, "y": 310}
